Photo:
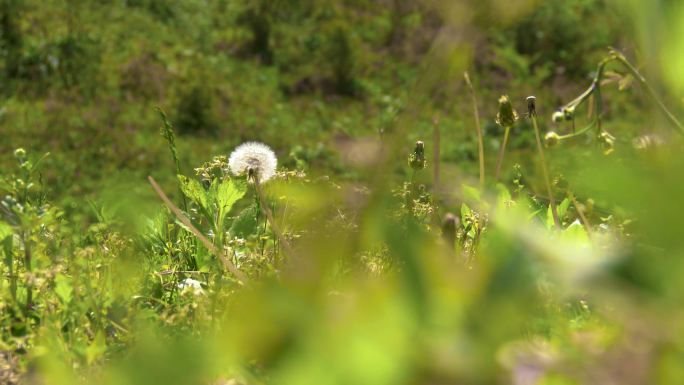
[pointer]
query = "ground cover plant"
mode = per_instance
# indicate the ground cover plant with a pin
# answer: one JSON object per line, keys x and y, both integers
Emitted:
{"x": 343, "y": 192}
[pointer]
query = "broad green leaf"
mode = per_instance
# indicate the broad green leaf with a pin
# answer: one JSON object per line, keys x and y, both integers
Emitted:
{"x": 245, "y": 224}
{"x": 5, "y": 230}
{"x": 96, "y": 349}
{"x": 63, "y": 288}
{"x": 504, "y": 198}
{"x": 465, "y": 211}
{"x": 472, "y": 194}
{"x": 193, "y": 190}
{"x": 577, "y": 234}
{"x": 229, "y": 192}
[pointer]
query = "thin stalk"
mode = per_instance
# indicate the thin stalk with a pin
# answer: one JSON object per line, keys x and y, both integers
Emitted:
{"x": 269, "y": 216}
{"x": 545, "y": 171}
{"x": 436, "y": 136}
{"x": 642, "y": 80}
{"x": 27, "y": 265}
{"x": 499, "y": 162}
{"x": 480, "y": 142}
{"x": 583, "y": 218}
{"x": 169, "y": 135}
{"x": 578, "y": 133}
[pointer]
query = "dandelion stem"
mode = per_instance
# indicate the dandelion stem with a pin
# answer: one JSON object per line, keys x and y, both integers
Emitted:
{"x": 269, "y": 216}
{"x": 545, "y": 171}
{"x": 499, "y": 162}
{"x": 480, "y": 144}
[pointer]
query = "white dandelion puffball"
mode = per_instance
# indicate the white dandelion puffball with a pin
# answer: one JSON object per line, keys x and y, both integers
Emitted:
{"x": 253, "y": 158}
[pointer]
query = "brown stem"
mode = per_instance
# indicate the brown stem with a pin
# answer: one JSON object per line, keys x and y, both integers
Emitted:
{"x": 580, "y": 212}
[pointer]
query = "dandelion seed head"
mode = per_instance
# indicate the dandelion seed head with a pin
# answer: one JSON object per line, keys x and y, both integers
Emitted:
{"x": 254, "y": 160}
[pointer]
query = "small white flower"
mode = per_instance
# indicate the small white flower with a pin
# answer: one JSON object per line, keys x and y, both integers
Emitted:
{"x": 255, "y": 159}
{"x": 191, "y": 285}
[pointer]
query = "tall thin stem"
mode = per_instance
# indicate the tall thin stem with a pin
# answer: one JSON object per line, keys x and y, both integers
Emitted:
{"x": 642, "y": 80}
{"x": 502, "y": 150}
{"x": 480, "y": 142}
{"x": 269, "y": 217}
{"x": 545, "y": 171}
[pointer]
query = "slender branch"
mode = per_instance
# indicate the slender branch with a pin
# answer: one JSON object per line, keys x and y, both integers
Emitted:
{"x": 207, "y": 243}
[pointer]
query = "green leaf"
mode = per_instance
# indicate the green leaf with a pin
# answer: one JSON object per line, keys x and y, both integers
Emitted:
{"x": 245, "y": 224}
{"x": 96, "y": 349}
{"x": 193, "y": 190}
{"x": 465, "y": 211}
{"x": 562, "y": 209}
{"x": 577, "y": 234}
{"x": 63, "y": 288}
{"x": 470, "y": 193}
{"x": 5, "y": 230}
{"x": 229, "y": 192}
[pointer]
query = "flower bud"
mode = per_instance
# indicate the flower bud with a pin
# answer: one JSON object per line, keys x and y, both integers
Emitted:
{"x": 551, "y": 139}
{"x": 569, "y": 113}
{"x": 20, "y": 154}
{"x": 531, "y": 106}
{"x": 506, "y": 116}
{"x": 558, "y": 116}
{"x": 416, "y": 159}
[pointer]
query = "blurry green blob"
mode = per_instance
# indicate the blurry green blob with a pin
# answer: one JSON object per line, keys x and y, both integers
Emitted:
{"x": 672, "y": 54}
{"x": 177, "y": 361}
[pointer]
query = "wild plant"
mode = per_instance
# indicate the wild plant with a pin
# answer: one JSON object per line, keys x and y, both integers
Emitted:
{"x": 594, "y": 98}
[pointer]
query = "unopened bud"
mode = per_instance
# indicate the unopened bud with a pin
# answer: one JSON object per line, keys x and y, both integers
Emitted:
{"x": 558, "y": 116}
{"x": 506, "y": 116}
{"x": 569, "y": 113}
{"x": 551, "y": 139}
{"x": 417, "y": 158}
{"x": 20, "y": 154}
{"x": 531, "y": 106}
